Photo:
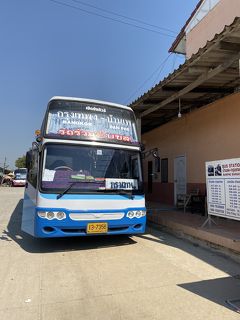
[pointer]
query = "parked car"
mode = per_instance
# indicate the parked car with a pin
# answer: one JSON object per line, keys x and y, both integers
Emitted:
{"x": 6, "y": 180}
{"x": 20, "y": 176}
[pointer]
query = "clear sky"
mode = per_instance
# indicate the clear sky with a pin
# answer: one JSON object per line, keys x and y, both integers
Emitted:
{"x": 56, "y": 47}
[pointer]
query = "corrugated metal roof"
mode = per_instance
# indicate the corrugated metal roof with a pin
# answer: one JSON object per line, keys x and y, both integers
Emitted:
{"x": 210, "y": 74}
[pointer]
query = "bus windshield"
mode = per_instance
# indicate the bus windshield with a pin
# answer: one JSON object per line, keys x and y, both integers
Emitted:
{"x": 20, "y": 173}
{"x": 90, "y": 169}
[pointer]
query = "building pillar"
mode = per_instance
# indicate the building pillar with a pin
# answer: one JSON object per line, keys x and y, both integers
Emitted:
{"x": 139, "y": 128}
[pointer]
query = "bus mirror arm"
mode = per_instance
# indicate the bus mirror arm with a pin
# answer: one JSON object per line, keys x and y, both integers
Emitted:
{"x": 35, "y": 146}
{"x": 142, "y": 146}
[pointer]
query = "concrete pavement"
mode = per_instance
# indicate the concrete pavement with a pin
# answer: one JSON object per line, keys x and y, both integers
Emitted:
{"x": 153, "y": 276}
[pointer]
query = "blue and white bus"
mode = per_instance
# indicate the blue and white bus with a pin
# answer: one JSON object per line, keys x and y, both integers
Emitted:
{"x": 84, "y": 172}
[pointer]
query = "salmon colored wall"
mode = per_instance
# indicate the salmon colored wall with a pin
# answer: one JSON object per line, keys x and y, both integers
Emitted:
{"x": 209, "y": 133}
{"x": 162, "y": 192}
{"x": 214, "y": 22}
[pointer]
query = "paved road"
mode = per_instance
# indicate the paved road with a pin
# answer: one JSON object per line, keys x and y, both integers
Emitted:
{"x": 154, "y": 276}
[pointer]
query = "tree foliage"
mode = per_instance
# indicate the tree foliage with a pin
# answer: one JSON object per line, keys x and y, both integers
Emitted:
{"x": 21, "y": 162}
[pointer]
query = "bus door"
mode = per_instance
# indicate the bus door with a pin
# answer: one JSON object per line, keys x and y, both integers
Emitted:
{"x": 30, "y": 194}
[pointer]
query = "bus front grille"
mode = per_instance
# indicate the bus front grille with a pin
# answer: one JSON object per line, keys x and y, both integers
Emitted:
{"x": 96, "y": 216}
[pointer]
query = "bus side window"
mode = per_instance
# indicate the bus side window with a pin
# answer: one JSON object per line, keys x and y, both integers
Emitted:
{"x": 33, "y": 168}
{"x": 29, "y": 159}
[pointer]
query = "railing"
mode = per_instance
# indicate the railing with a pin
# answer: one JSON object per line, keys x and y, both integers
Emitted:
{"x": 193, "y": 200}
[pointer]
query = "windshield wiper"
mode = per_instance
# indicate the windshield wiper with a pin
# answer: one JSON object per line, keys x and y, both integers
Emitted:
{"x": 72, "y": 184}
{"x": 125, "y": 193}
{"x": 66, "y": 190}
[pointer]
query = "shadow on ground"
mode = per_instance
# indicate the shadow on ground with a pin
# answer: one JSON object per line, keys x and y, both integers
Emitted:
{"x": 34, "y": 245}
{"x": 219, "y": 290}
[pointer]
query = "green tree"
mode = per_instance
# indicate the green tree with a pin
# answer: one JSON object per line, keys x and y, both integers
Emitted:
{"x": 21, "y": 162}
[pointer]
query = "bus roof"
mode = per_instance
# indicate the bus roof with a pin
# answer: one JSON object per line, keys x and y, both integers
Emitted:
{"x": 90, "y": 101}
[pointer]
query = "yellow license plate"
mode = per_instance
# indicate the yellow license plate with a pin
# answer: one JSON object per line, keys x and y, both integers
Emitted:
{"x": 99, "y": 227}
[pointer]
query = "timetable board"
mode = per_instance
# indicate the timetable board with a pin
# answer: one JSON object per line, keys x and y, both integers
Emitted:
{"x": 223, "y": 188}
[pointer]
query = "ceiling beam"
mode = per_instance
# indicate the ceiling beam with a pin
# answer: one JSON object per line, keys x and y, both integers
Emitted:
{"x": 197, "y": 69}
{"x": 156, "y": 115}
{"x": 206, "y": 90}
{"x": 200, "y": 80}
{"x": 200, "y": 89}
{"x": 229, "y": 46}
{"x": 154, "y": 101}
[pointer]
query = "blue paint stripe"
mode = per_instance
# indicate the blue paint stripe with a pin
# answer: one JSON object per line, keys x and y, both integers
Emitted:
{"x": 91, "y": 196}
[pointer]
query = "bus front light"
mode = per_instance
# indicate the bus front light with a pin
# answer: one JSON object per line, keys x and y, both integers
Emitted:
{"x": 61, "y": 215}
{"x": 138, "y": 214}
{"x": 143, "y": 213}
{"x": 50, "y": 215}
{"x": 130, "y": 214}
{"x": 42, "y": 214}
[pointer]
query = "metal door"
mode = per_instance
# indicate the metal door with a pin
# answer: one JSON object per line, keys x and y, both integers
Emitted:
{"x": 180, "y": 185}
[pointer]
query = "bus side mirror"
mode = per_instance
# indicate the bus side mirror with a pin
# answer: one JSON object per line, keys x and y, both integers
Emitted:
{"x": 28, "y": 159}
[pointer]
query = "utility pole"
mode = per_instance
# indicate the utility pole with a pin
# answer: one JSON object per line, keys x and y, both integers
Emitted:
{"x": 4, "y": 165}
{"x": 3, "y": 171}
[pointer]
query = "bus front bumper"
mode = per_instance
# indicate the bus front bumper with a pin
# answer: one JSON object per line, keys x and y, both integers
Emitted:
{"x": 67, "y": 227}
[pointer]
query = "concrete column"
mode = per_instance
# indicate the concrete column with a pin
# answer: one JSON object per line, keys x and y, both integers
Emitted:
{"x": 139, "y": 128}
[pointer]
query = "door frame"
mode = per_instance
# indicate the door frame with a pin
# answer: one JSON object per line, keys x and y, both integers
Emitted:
{"x": 150, "y": 177}
{"x": 175, "y": 178}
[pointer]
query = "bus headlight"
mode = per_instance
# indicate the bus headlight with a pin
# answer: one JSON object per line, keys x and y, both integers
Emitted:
{"x": 142, "y": 213}
{"x": 130, "y": 214}
{"x": 50, "y": 215}
{"x": 136, "y": 214}
{"x": 60, "y": 215}
{"x": 42, "y": 214}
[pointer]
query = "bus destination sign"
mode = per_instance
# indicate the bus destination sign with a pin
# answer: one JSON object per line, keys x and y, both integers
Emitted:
{"x": 76, "y": 120}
